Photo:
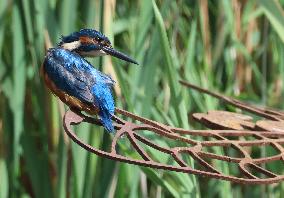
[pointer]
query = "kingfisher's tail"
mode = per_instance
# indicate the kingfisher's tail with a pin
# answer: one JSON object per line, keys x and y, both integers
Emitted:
{"x": 106, "y": 120}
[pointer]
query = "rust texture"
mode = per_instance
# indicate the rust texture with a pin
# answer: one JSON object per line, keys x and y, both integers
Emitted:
{"x": 237, "y": 136}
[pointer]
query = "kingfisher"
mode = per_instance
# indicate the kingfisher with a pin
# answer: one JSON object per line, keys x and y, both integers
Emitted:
{"x": 75, "y": 81}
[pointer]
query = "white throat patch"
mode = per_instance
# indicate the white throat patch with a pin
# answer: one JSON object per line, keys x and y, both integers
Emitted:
{"x": 93, "y": 53}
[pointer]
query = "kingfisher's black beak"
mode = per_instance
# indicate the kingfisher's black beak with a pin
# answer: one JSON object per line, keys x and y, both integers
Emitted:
{"x": 118, "y": 54}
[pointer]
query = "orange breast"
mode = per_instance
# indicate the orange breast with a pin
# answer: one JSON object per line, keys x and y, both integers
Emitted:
{"x": 71, "y": 101}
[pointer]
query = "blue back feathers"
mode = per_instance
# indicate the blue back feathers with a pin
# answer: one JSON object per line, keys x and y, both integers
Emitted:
{"x": 77, "y": 77}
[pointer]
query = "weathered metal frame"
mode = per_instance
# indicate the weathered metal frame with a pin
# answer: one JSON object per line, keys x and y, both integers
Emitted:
{"x": 265, "y": 132}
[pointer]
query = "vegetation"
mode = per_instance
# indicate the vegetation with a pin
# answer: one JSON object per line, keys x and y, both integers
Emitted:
{"x": 234, "y": 47}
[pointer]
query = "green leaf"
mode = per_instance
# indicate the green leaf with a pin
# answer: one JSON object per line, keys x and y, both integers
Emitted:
{"x": 275, "y": 14}
{"x": 4, "y": 179}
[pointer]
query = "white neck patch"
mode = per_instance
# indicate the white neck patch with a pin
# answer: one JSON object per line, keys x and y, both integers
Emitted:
{"x": 71, "y": 46}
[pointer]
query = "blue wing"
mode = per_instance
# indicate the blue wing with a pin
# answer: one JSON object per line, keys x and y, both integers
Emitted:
{"x": 77, "y": 77}
{"x": 104, "y": 100}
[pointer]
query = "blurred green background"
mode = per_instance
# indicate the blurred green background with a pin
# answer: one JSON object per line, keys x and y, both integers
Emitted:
{"x": 234, "y": 47}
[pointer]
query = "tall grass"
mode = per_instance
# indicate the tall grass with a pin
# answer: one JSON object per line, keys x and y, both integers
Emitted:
{"x": 235, "y": 47}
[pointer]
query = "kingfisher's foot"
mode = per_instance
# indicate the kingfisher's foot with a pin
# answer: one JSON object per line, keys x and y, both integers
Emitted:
{"x": 76, "y": 110}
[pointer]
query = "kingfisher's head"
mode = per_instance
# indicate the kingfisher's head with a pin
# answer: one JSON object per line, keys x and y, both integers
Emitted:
{"x": 92, "y": 43}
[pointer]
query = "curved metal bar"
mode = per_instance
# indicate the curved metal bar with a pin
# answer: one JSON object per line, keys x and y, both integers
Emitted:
{"x": 236, "y": 140}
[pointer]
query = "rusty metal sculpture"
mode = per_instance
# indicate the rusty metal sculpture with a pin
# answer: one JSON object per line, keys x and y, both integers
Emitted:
{"x": 235, "y": 134}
